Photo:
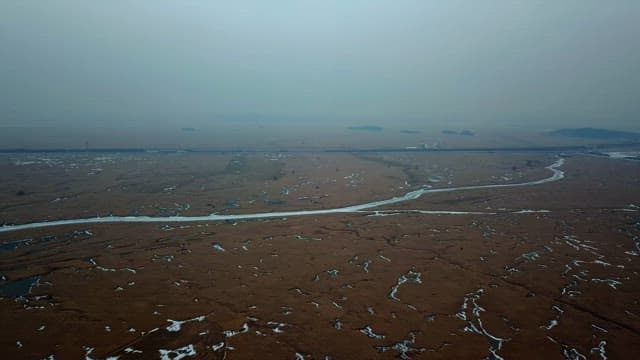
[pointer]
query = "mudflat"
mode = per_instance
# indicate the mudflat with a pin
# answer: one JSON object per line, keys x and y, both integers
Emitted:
{"x": 548, "y": 270}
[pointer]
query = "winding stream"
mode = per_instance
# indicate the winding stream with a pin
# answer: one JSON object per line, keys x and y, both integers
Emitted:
{"x": 412, "y": 195}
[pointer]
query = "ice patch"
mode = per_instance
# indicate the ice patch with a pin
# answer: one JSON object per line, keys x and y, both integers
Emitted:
{"x": 612, "y": 283}
{"x": 470, "y": 312}
{"x": 217, "y": 246}
{"x": 178, "y": 354}
{"x": 572, "y": 353}
{"x": 600, "y": 350}
{"x": 217, "y": 347}
{"x": 231, "y": 333}
{"x": 404, "y": 347}
{"x": 410, "y": 277}
{"x": 367, "y": 330}
{"x": 176, "y": 325}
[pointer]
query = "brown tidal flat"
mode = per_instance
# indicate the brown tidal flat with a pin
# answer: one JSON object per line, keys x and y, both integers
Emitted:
{"x": 549, "y": 271}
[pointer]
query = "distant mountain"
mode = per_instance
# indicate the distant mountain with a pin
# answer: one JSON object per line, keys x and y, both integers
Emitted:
{"x": 594, "y": 133}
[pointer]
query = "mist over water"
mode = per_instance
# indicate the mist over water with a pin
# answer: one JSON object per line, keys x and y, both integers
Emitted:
{"x": 134, "y": 74}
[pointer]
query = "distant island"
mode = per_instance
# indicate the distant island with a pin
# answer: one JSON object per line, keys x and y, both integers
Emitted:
{"x": 594, "y": 133}
{"x": 462, "y": 132}
{"x": 410, "y": 131}
{"x": 188, "y": 129}
{"x": 365, "y": 128}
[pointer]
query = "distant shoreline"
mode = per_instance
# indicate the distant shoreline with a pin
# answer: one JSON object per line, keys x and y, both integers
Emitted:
{"x": 330, "y": 150}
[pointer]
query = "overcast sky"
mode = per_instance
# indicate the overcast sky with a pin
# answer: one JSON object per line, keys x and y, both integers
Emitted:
{"x": 172, "y": 63}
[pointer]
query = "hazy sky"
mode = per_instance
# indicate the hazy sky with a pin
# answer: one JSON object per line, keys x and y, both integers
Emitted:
{"x": 174, "y": 63}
